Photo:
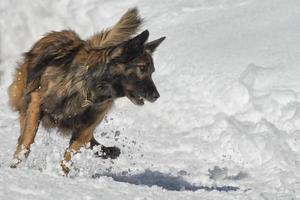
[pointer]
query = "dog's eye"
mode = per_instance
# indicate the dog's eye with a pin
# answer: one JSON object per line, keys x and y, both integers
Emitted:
{"x": 142, "y": 68}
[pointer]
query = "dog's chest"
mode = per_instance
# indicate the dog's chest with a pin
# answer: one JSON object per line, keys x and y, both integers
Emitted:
{"x": 72, "y": 112}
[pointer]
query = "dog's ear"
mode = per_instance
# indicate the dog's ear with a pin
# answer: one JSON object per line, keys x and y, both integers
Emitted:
{"x": 130, "y": 49}
{"x": 151, "y": 46}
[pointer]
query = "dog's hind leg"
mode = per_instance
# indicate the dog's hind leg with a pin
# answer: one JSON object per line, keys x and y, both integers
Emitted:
{"x": 29, "y": 123}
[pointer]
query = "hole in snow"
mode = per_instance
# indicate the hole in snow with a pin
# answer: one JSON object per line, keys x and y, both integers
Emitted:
{"x": 165, "y": 181}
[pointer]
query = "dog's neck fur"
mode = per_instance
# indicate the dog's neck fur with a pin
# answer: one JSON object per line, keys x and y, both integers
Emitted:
{"x": 100, "y": 80}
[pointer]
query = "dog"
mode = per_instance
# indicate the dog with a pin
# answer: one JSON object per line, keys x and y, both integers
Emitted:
{"x": 68, "y": 83}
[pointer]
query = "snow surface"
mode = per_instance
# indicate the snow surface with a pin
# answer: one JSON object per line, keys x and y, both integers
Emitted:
{"x": 227, "y": 125}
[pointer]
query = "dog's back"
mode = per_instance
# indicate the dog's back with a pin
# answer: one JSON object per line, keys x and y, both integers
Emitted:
{"x": 56, "y": 48}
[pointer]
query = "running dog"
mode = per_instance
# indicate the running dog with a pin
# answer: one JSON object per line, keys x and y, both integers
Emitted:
{"x": 71, "y": 84}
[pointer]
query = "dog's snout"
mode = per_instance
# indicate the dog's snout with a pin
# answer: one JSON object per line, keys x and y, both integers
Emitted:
{"x": 150, "y": 91}
{"x": 155, "y": 94}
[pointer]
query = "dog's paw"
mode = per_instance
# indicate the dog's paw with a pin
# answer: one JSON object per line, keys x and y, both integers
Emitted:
{"x": 21, "y": 155}
{"x": 108, "y": 152}
{"x": 66, "y": 166}
{"x": 15, "y": 162}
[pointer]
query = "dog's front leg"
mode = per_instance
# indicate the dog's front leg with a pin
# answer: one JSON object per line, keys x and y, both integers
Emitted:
{"x": 83, "y": 138}
{"x": 29, "y": 122}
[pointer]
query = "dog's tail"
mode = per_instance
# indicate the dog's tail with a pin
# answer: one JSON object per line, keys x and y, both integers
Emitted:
{"x": 127, "y": 26}
{"x": 57, "y": 48}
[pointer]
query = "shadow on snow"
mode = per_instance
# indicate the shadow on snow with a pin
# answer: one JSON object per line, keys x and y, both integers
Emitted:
{"x": 165, "y": 181}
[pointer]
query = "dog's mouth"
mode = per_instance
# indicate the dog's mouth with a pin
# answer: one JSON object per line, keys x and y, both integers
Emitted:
{"x": 135, "y": 98}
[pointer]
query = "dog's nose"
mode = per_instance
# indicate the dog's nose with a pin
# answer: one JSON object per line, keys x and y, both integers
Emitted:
{"x": 155, "y": 95}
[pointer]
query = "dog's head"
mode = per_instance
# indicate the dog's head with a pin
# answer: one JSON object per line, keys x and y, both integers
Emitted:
{"x": 132, "y": 63}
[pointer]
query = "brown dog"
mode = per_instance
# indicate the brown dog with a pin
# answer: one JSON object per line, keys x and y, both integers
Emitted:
{"x": 71, "y": 84}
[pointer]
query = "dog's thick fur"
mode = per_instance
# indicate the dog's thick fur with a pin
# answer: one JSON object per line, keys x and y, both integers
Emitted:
{"x": 70, "y": 83}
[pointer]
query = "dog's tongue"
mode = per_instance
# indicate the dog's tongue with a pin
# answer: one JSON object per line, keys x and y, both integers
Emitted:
{"x": 137, "y": 100}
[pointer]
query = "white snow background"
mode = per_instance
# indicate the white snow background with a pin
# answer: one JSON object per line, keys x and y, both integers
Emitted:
{"x": 227, "y": 125}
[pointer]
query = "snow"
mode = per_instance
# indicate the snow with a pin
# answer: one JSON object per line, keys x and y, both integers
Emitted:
{"x": 228, "y": 116}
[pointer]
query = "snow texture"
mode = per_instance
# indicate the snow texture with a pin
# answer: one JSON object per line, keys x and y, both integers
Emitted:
{"x": 227, "y": 125}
